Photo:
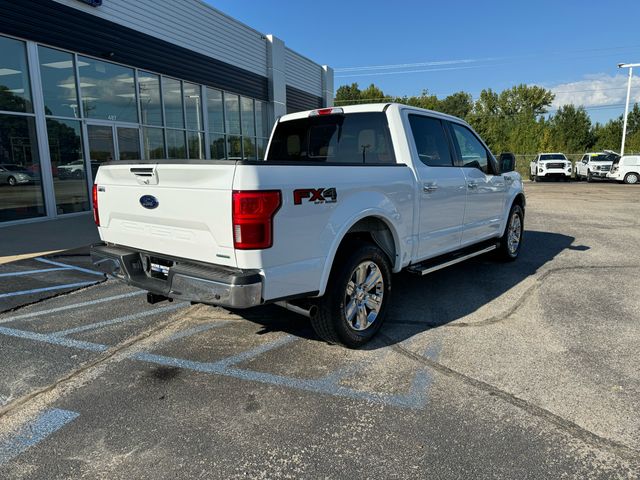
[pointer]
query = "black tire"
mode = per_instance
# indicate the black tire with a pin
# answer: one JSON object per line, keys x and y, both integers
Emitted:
{"x": 589, "y": 176}
{"x": 531, "y": 177}
{"x": 330, "y": 321}
{"x": 505, "y": 252}
{"x": 578, "y": 178}
{"x": 12, "y": 181}
{"x": 537, "y": 179}
{"x": 631, "y": 178}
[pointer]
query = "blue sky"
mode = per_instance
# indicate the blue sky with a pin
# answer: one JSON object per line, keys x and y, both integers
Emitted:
{"x": 571, "y": 47}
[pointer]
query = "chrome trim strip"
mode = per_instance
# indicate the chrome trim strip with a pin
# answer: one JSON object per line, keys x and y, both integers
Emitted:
{"x": 455, "y": 260}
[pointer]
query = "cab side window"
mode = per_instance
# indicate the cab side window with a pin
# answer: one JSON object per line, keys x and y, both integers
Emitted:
{"x": 431, "y": 141}
{"x": 472, "y": 152}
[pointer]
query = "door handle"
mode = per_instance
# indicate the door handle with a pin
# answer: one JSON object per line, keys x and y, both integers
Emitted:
{"x": 429, "y": 187}
{"x": 472, "y": 185}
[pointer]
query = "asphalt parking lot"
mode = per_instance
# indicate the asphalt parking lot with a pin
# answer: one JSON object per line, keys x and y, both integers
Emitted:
{"x": 520, "y": 370}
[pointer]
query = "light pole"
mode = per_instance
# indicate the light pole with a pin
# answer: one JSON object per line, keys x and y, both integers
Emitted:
{"x": 626, "y": 105}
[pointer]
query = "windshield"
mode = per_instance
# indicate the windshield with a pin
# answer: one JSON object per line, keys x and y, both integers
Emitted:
{"x": 553, "y": 156}
{"x": 351, "y": 138}
{"x": 604, "y": 157}
{"x": 14, "y": 168}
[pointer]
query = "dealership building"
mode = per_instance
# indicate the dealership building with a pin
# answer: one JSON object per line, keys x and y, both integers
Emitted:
{"x": 89, "y": 81}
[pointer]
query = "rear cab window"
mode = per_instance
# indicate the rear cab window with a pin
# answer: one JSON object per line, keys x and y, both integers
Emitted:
{"x": 353, "y": 138}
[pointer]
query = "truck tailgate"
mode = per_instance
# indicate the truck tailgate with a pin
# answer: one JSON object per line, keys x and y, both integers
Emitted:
{"x": 175, "y": 209}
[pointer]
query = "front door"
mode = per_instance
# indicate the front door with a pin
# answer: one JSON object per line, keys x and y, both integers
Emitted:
{"x": 441, "y": 188}
{"x": 486, "y": 189}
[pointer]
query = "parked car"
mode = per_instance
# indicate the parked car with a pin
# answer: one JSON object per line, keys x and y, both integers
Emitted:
{"x": 344, "y": 198}
{"x": 595, "y": 165}
{"x": 11, "y": 174}
{"x": 73, "y": 169}
{"x": 550, "y": 165}
{"x": 626, "y": 169}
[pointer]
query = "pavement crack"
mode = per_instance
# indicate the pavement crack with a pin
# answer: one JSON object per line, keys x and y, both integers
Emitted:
{"x": 103, "y": 359}
{"x": 504, "y": 315}
{"x": 573, "y": 429}
{"x": 51, "y": 297}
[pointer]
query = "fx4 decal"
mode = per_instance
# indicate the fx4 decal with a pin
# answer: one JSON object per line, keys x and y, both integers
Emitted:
{"x": 315, "y": 195}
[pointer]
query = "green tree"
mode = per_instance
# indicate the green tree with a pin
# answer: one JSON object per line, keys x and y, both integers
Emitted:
{"x": 459, "y": 104}
{"x": 571, "y": 130}
{"x": 348, "y": 95}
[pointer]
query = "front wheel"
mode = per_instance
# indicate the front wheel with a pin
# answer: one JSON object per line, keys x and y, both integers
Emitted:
{"x": 12, "y": 181}
{"x": 589, "y": 177}
{"x": 510, "y": 242}
{"x": 631, "y": 178}
{"x": 354, "y": 306}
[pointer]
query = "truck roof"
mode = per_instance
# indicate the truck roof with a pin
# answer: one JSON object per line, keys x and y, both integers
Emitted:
{"x": 373, "y": 107}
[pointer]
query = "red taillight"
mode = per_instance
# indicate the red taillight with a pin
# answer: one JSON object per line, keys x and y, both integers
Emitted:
{"x": 253, "y": 213}
{"x": 96, "y": 216}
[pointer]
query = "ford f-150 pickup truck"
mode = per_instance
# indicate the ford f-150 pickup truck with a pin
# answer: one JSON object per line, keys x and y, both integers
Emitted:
{"x": 344, "y": 198}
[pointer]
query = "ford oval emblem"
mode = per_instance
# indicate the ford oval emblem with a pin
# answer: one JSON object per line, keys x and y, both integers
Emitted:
{"x": 149, "y": 201}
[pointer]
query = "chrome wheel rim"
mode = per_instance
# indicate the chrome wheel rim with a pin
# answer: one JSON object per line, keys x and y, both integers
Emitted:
{"x": 515, "y": 233}
{"x": 632, "y": 178}
{"x": 363, "y": 296}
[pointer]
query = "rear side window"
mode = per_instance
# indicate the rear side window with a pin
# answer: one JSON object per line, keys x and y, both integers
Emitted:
{"x": 431, "y": 142}
{"x": 352, "y": 138}
{"x": 472, "y": 152}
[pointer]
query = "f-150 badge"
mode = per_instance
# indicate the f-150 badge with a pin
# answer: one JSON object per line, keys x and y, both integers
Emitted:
{"x": 315, "y": 195}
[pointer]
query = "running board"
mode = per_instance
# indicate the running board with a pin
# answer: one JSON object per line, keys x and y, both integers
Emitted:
{"x": 432, "y": 265}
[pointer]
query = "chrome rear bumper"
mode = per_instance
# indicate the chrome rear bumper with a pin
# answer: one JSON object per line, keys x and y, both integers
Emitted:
{"x": 185, "y": 279}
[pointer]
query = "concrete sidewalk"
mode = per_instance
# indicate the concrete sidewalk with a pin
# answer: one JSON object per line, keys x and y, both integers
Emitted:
{"x": 42, "y": 238}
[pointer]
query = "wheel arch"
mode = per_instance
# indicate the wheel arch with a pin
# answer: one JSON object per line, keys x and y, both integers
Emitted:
{"x": 368, "y": 226}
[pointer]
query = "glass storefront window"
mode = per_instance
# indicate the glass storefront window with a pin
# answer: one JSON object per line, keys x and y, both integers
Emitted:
{"x": 248, "y": 148}
{"x": 263, "y": 126}
{"x": 234, "y": 147}
{"x": 149, "y": 94}
{"x": 153, "y": 142}
{"x": 20, "y": 185}
{"x": 108, "y": 91}
{"x": 261, "y": 148}
{"x": 172, "y": 95}
{"x": 59, "y": 86}
{"x": 248, "y": 119}
{"x": 193, "y": 106}
{"x": 101, "y": 146}
{"x": 129, "y": 143}
{"x": 232, "y": 113}
{"x": 15, "y": 93}
{"x": 216, "y": 146}
{"x": 176, "y": 146}
{"x": 195, "y": 141}
{"x": 215, "y": 110}
{"x": 68, "y": 166}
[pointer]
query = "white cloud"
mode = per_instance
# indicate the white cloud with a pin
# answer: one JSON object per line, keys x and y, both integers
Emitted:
{"x": 597, "y": 90}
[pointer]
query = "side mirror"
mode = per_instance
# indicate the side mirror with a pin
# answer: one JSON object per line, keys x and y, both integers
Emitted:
{"x": 507, "y": 162}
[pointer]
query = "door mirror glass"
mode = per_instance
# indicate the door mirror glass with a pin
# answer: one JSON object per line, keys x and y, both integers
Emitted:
{"x": 507, "y": 162}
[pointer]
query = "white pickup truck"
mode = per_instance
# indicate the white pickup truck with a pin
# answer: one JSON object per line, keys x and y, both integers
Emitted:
{"x": 595, "y": 165}
{"x": 344, "y": 198}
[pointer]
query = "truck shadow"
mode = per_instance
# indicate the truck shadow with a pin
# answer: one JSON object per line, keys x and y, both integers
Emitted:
{"x": 423, "y": 303}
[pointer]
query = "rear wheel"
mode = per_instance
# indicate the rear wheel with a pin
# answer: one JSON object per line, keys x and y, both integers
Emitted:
{"x": 510, "y": 242}
{"x": 631, "y": 178}
{"x": 354, "y": 306}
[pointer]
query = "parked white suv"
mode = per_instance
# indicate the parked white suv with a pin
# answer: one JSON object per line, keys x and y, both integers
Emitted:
{"x": 550, "y": 165}
{"x": 595, "y": 165}
{"x": 344, "y": 198}
{"x": 626, "y": 169}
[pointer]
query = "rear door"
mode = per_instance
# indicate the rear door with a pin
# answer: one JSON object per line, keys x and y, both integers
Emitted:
{"x": 486, "y": 188}
{"x": 442, "y": 188}
{"x": 179, "y": 209}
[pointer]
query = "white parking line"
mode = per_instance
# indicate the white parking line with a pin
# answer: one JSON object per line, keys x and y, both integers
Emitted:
{"x": 32, "y": 272}
{"x": 73, "y": 267}
{"x": 72, "y": 306}
{"x": 126, "y": 318}
{"x": 46, "y": 289}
